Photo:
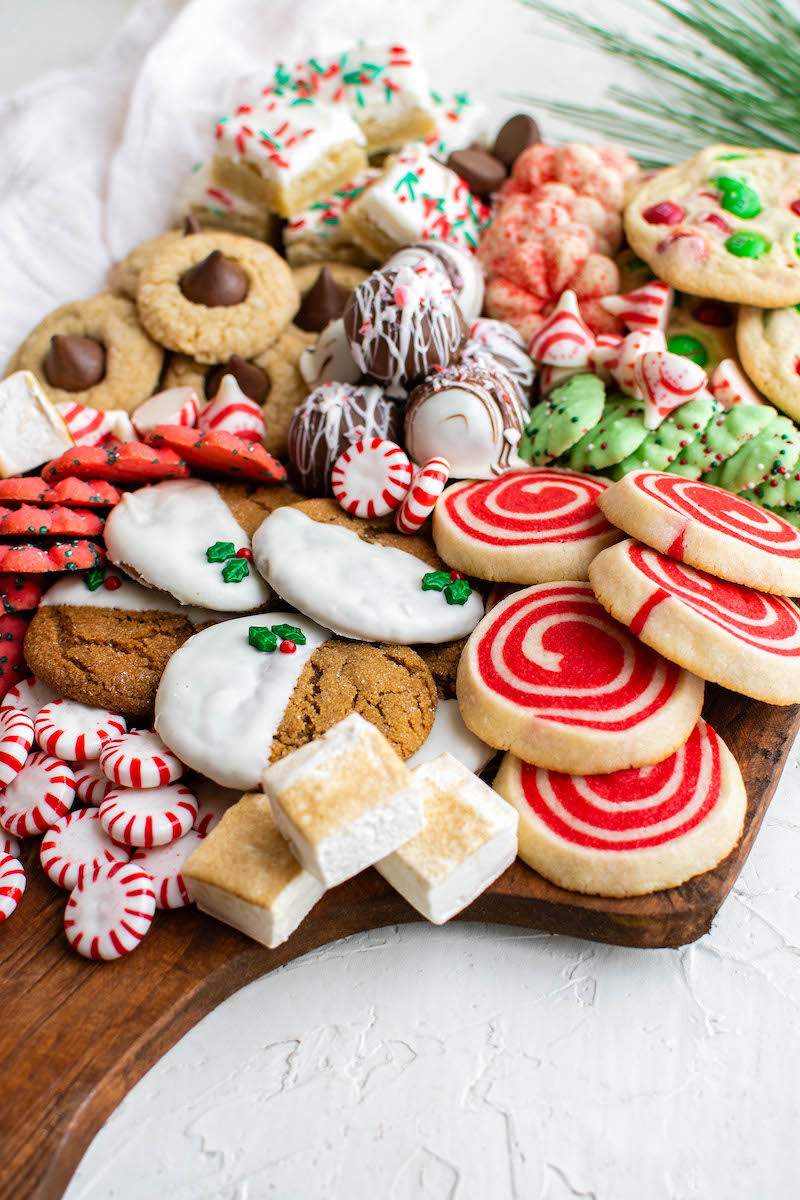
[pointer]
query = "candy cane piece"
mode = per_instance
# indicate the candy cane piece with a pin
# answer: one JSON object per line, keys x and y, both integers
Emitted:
{"x": 427, "y": 485}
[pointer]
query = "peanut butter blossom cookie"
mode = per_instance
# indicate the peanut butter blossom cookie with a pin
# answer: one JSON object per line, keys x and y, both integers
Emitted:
{"x": 768, "y": 341}
{"x": 725, "y": 224}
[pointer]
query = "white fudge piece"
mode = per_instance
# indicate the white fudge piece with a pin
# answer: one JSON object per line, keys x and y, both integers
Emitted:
{"x": 468, "y": 841}
{"x": 343, "y": 801}
{"x": 244, "y": 874}
{"x": 450, "y": 733}
{"x": 32, "y": 430}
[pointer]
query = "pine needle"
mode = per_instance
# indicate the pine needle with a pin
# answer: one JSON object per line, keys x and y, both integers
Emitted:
{"x": 734, "y": 78}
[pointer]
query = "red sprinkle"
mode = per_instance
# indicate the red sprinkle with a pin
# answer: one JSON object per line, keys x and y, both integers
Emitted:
{"x": 287, "y": 647}
{"x": 454, "y": 575}
{"x": 112, "y": 583}
{"x": 795, "y": 207}
{"x": 665, "y": 213}
{"x": 245, "y": 553}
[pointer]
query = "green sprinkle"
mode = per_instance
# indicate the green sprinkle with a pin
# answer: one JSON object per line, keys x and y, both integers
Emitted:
{"x": 236, "y": 570}
{"x": 728, "y": 157}
{"x": 797, "y": 244}
{"x": 290, "y": 633}
{"x": 435, "y": 581}
{"x": 689, "y": 347}
{"x": 747, "y": 245}
{"x": 220, "y": 552}
{"x": 458, "y": 592}
{"x": 262, "y": 638}
{"x": 94, "y": 578}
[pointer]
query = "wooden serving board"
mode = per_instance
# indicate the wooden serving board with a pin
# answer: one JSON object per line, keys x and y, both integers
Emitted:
{"x": 75, "y": 1036}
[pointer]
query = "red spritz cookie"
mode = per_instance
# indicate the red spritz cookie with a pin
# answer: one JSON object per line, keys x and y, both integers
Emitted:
{"x": 29, "y": 521}
{"x": 83, "y": 493}
{"x": 75, "y": 731}
{"x": 42, "y": 793}
{"x": 148, "y": 816}
{"x": 219, "y": 453}
{"x": 77, "y": 555}
{"x": 16, "y": 739}
{"x": 18, "y": 594}
{"x": 75, "y": 845}
{"x": 549, "y": 675}
{"x": 129, "y": 462}
{"x": 707, "y": 528}
{"x": 12, "y": 884}
{"x": 630, "y": 832}
{"x": 746, "y": 640}
{"x": 524, "y": 527}
{"x": 13, "y": 668}
{"x": 22, "y": 490}
{"x": 110, "y": 911}
{"x": 140, "y": 760}
{"x": 163, "y": 865}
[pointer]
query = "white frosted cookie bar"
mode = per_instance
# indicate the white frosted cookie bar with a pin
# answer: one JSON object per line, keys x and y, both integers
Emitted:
{"x": 203, "y": 196}
{"x": 343, "y": 801}
{"x": 469, "y": 838}
{"x": 459, "y": 123}
{"x": 244, "y": 874}
{"x": 32, "y": 431}
{"x": 317, "y": 233}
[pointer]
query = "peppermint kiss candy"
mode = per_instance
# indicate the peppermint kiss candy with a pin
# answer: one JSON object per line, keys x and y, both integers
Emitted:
{"x": 148, "y": 816}
{"x": 630, "y": 832}
{"x": 729, "y": 386}
{"x": 9, "y": 844}
{"x": 664, "y": 381}
{"x": 74, "y": 846}
{"x": 163, "y": 865}
{"x": 551, "y": 676}
{"x": 372, "y": 478}
{"x": 564, "y": 339}
{"x": 231, "y": 411}
{"x": 110, "y": 911}
{"x": 12, "y": 884}
{"x": 708, "y": 528}
{"x": 75, "y": 731}
{"x": 646, "y": 309}
{"x": 16, "y": 739}
{"x": 88, "y": 426}
{"x": 604, "y": 358}
{"x": 525, "y": 527}
{"x": 42, "y": 793}
{"x": 629, "y": 353}
{"x": 91, "y": 785}
{"x": 420, "y": 501}
{"x": 175, "y": 406}
{"x": 745, "y": 640}
{"x": 140, "y": 760}
{"x": 29, "y": 697}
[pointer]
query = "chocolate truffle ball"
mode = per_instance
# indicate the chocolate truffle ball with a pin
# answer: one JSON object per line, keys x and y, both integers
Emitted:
{"x": 494, "y": 345}
{"x": 328, "y": 422}
{"x": 459, "y": 265}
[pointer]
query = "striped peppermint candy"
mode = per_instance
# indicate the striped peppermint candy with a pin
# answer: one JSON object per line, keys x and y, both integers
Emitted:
{"x": 110, "y": 911}
{"x": 29, "y": 697}
{"x": 140, "y": 760}
{"x": 564, "y": 339}
{"x": 426, "y": 488}
{"x": 231, "y": 411}
{"x": 88, "y": 426}
{"x": 175, "y": 406}
{"x": 664, "y": 381}
{"x": 552, "y": 377}
{"x": 91, "y": 785}
{"x": 729, "y": 386}
{"x": 42, "y": 793}
{"x": 75, "y": 731}
{"x": 645, "y": 310}
{"x": 12, "y": 884}
{"x": 372, "y": 478}
{"x": 163, "y": 865}
{"x": 605, "y": 355}
{"x": 9, "y": 844}
{"x": 628, "y": 354}
{"x": 75, "y": 845}
{"x": 148, "y": 816}
{"x": 16, "y": 739}
{"x": 213, "y": 801}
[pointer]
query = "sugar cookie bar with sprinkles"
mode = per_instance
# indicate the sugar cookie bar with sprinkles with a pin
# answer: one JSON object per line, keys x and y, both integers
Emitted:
{"x": 317, "y": 233}
{"x": 203, "y": 196}
{"x": 459, "y": 122}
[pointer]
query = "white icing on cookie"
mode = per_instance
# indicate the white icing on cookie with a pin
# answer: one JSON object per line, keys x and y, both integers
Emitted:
{"x": 331, "y": 359}
{"x": 129, "y": 596}
{"x": 450, "y": 733}
{"x": 220, "y": 700}
{"x": 459, "y": 123}
{"x": 365, "y": 591}
{"x": 160, "y": 534}
{"x": 321, "y": 222}
{"x": 461, "y": 267}
{"x": 201, "y": 190}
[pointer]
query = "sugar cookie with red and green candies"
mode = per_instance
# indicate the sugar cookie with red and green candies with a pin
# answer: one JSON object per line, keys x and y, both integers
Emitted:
{"x": 725, "y": 224}
{"x": 768, "y": 341}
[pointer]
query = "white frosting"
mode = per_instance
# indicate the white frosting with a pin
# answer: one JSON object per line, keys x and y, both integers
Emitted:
{"x": 450, "y": 733}
{"x": 221, "y": 701}
{"x": 365, "y": 591}
{"x": 201, "y": 190}
{"x": 462, "y": 268}
{"x": 130, "y": 596}
{"x": 161, "y": 534}
{"x": 322, "y": 221}
{"x": 459, "y": 123}
{"x": 330, "y": 360}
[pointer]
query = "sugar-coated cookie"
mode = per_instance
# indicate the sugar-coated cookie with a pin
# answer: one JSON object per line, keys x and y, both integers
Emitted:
{"x": 723, "y": 225}
{"x": 707, "y": 528}
{"x": 124, "y": 275}
{"x": 525, "y": 527}
{"x": 630, "y": 832}
{"x": 549, "y": 675}
{"x": 768, "y": 341}
{"x": 746, "y": 640}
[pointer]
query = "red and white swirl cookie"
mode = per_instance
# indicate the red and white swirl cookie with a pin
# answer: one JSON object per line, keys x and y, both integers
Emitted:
{"x": 746, "y": 640}
{"x": 551, "y": 676}
{"x": 707, "y": 528}
{"x": 524, "y": 527}
{"x": 630, "y": 832}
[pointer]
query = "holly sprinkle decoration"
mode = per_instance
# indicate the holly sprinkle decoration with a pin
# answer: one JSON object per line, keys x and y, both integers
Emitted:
{"x": 457, "y": 589}
{"x": 265, "y": 638}
{"x": 94, "y": 578}
{"x": 237, "y": 560}
{"x": 220, "y": 552}
{"x": 235, "y": 571}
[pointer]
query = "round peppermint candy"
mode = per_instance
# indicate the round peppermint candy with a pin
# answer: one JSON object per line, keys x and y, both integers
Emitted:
{"x": 42, "y": 793}
{"x": 707, "y": 528}
{"x": 629, "y": 832}
{"x": 175, "y": 406}
{"x": 525, "y": 527}
{"x": 29, "y": 697}
{"x": 372, "y": 478}
{"x": 91, "y": 785}
{"x": 551, "y": 676}
{"x": 75, "y": 731}
{"x": 746, "y": 640}
{"x": 140, "y": 760}
{"x": 16, "y": 739}
{"x": 12, "y": 884}
{"x": 75, "y": 845}
{"x": 110, "y": 911}
{"x": 213, "y": 801}
{"x": 163, "y": 865}
{"x": 148, "y": 816}
{"x": 9, "y": 844}
{"x": 420, "y": 501}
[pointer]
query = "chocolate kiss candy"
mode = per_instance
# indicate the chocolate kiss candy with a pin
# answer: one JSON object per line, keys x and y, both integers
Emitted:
{"x": 191, "y": 225}
{"x": 216, "y": 282}
{"x": 251, "y": 379}
{"x": 516, "y": 135}
{"x": 322, "y": 303}
{"x": 74, "y": 363}
{"x": 480, "y": 170}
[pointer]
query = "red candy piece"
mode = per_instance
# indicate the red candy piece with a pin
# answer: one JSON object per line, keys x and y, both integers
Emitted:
{"x": 129, "y": 462}
{"x": 13, "y": 668}
{"x": 41, "y": 522}
{"x": 22, "y": 490}
{"x": 18, "y": 594}
{"x": 83, "y": 493}
{"x": 714, "y": 312}
{"x": 78, "y": 555}
{"x": 426, "y": 487}
{"x": 219, "y": 453}
{"x": 665, "y": 213}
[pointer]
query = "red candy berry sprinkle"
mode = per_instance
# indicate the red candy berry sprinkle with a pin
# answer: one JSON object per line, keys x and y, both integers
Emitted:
{"x": 112, "y": 583}
{"x": 454, "y": 575}
{"x": 795, "y": 207}
{"x": 287, "y": 647}
{"x": 244, "y": 552}
{"x": 665, "y": 213}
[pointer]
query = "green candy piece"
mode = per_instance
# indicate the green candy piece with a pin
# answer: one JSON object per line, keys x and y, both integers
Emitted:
{"x": 768, "y": 455}
{"x": 747, "y": 245}
{"x": 728, "y": 157}
{"x": 220, "y": 552}
{"x": 236, "y": 570}
{"x": 689, "y": 347}
{"x": 290, "y": 633}
{"x": 457, "y": 592}
{"x": 738, "y": 197}
{"x": 722, "y": 437}
{"x": 435, "y": 581}
{"x": 676, "y": 432}
{"x": 94, "y": 578}
{"x": 797, "y": 249}
{"x": 262, "y": 638}
{"x": 620, "y": 431}
{"x": 555, "y": 425}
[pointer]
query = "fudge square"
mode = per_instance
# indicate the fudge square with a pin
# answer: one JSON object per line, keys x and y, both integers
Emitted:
{"x": 469, "y": 838}
{"x": 32, "y": 431}
{"x": 343, "y": 801}
{"x": 245, "y": 875}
